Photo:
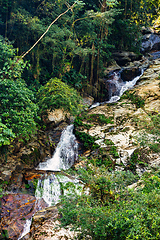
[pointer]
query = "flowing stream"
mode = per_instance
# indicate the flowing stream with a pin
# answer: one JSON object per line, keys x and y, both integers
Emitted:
{"x": 117, "y": 87}
{"x": 51, "y": 186}
{"x": 65, "y": 154}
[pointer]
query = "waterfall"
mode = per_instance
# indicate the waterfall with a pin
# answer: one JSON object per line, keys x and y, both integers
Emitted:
{"x": 26, "y": 228}
{"x": 50, "y": 188}
{"x": 117, "y": 87}
{"x": 122, "y": 86}
{"x": 53, "y": 186}
{"x": 65, "y": 154}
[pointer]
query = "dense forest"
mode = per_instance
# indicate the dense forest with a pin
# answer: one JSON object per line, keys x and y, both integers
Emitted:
{"x": 75, "y": 50}
{"x": 52, "y": 54}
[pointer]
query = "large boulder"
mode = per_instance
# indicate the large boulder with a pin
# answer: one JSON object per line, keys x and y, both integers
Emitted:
{"x": 124, "y": 57}
{"x": 150, "y": 42}
{"x": 16, "y": 209}
{"x": 129, "y": 74}
{"x": 57, "y": 116}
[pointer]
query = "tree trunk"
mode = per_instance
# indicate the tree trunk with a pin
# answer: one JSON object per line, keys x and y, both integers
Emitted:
{"x": 92, "y": 64}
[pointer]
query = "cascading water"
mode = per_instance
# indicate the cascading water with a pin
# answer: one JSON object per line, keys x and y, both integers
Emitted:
{"x": 50, "y": 188}
{"x": 117, "y": 87}
{"x": 26, "y": 228}
{"x": 53, "y": 186}
{"x": 122, "y": 86}
{"x": 65, "y": 154}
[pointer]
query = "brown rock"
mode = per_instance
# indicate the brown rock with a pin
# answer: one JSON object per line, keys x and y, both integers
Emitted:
{"x": 15, "y": 210}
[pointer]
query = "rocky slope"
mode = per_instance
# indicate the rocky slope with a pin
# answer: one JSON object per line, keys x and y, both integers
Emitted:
{"x": 126, "y": 135}
{"x": 132, "y": 127}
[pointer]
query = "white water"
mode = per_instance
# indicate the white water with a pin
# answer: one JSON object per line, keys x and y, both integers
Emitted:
{"x": 50, "y": 189}
{"x": 52, "y": 186}
{"x": 121, "y": 87}
{"x": 26, "y": 228}
{"x": 65, "y": 154}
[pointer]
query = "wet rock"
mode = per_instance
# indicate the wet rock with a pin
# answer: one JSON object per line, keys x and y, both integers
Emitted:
{"x": 113, "y": 67}
{"x": 15, "y": 210}
{"x": 150, "y": 42}
{"x": 128, "y": 74}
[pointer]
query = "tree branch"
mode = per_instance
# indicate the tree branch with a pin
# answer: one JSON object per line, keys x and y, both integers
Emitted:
{"x": 46, "y": 31}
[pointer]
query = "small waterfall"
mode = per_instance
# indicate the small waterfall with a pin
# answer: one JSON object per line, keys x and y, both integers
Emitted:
{"x": 26, "y": 228}
{"x": 53, "y": 186}
{"x": 121, "y": 87}
{"x": 116, "y": 87}
{"x": 65, "y": 154}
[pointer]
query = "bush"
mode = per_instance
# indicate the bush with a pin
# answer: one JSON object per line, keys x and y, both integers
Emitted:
{"x": 135, "y": 99}
{"x": 56, "y": 94}
{"x": 111, "y": 211}
{"x": 88, "y": 141}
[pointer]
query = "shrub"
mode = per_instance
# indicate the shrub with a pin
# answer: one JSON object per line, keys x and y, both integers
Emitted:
{"x": 87, "y": 140}
{"x": 135, "y": 99}
{"x": 56, "y": 94}
{"x": 111, "y": 211}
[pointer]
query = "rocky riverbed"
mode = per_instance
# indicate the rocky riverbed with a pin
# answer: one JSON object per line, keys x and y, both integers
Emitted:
{"x": 128, "y": 133}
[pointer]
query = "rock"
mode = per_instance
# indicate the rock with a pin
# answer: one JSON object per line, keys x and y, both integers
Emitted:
{"x": 128, "y": 74}
{"x": 147, "y": 30}
{"x": 45, "y": 226}
{"x": 150, "y": 42}
{"x": 15, "y": 210}
{"x": 129, "y": 123}
{"x": 113, "y": 67}
{"x": 88, "y": 101}
{"x": 123, "y": 57}
{"x": 57, "y": 116}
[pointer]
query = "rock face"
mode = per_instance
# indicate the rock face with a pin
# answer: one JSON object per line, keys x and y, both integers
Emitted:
{"x": 123, "y": 57}
{"x": 15, "y": 210}
{"x": 133, "y": 125}
{"x": 21, "y": 155}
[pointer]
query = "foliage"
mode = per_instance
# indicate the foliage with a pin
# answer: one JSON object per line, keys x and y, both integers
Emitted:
{"x": 88, "y": 141}
{"x": 17, "y": 109}
{"x": 111, "y": 210}
{"x": 140, "y": 157}
{"x": 6, "y": 134}
{"x": 135, "y": 99}
{"x": 101, "y": 158}
{"x": 56, "y": 94}
{"x": 150, "y": 131}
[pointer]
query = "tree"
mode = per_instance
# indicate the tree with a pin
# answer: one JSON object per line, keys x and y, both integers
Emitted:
{"x": 17, "y": 108}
